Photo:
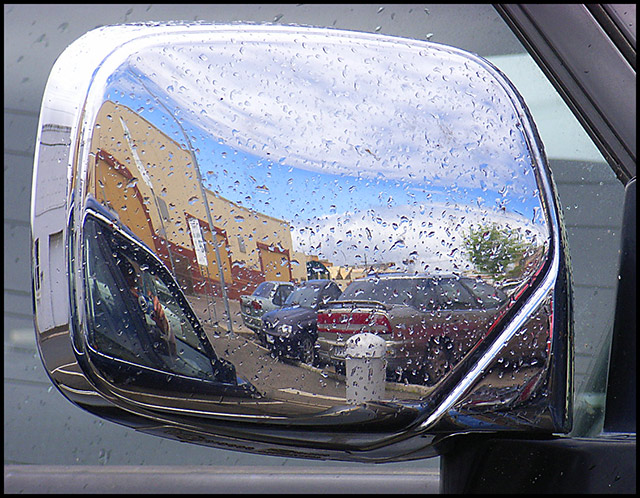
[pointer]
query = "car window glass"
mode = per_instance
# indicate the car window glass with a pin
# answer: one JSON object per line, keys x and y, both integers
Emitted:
{"x": 329, "y": 293}
{"x": 126, "y": 321}
{"x": 453, "y": 296}
{"x": 334, "y": 291}
{"x": 277, "y": 297}
{"x": 425, "y": 297}
{"x": 112, "y": 308}
{"x": 264, "y": 289}
{"x": 306, "y": 296}
{"x": 285, "y": 291}
{"x": 282, "y": 294}
{"x": 487, "y": 295}
{"x": 403, "y": 291}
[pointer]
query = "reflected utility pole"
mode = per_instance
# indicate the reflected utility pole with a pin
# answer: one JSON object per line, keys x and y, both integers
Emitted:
{"x": 147, "y": 180}
{"x": 203, "y": 261}
{"x": 225, "y": 298}
{"x": 203, "y": 193}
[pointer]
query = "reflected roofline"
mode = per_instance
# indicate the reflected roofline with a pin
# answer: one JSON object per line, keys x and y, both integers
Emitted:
{"x": 405, "y": 275}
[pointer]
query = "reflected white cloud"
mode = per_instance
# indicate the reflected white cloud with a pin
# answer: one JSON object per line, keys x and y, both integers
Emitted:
{"x": 415, "y": 112}
{"x": 415, "y": 239}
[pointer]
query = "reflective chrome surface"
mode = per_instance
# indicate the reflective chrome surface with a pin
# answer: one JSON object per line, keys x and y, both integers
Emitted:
{"x": 254, "y": 218}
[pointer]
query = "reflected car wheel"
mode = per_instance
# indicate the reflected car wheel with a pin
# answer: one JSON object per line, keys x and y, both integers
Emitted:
{"x": 262, "y": 339}
{"x": 437, "y": 360}
{"x": 307, "y": 351}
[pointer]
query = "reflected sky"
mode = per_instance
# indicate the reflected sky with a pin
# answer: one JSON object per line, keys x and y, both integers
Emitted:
{"x": 361, "y": 139}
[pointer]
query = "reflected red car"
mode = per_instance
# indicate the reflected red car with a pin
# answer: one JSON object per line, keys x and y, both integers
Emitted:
{"x": 428, "y": 322}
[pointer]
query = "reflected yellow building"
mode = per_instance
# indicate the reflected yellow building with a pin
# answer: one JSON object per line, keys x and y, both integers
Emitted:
{"x": 150, "y": 181}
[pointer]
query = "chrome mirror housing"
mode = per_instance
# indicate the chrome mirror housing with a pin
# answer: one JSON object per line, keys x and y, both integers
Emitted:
{"x": 297, "y": 241}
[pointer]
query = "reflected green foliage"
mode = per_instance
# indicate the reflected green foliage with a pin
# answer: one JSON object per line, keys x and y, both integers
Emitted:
{"x": 495, "y": 251}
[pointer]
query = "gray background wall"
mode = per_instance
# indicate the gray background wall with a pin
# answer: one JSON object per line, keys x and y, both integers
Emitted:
{"x": 39, "y": 425}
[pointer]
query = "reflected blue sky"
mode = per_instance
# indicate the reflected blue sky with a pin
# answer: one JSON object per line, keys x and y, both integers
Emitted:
{"x": 291, "y": 193}
{"x": 314, "y": 136}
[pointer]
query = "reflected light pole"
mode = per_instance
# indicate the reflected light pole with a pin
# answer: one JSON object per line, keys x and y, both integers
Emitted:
{"x": 147, "y": 180}
{"x": 223, "y": 285}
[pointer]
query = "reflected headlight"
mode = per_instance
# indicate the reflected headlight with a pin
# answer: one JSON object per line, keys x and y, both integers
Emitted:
{"x": 285, "y": 330}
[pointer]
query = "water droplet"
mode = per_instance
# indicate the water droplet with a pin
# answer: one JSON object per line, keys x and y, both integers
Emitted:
{"x": 103, "y": 456}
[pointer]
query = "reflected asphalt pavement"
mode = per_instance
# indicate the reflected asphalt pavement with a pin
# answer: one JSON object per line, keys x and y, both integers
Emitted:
{"x": 309, "y": 388}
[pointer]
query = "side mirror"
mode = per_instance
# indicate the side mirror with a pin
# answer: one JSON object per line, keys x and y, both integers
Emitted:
{"x": 210, "y": 158}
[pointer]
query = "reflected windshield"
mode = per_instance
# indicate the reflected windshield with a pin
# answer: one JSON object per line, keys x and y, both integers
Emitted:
{"x": 306, "y": 296}
{"x": 404, "y": 291}
{"x": 132, "y": 312}
{"x": 264, "y": 289}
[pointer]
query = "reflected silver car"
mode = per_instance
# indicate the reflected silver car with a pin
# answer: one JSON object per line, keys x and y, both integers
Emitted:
{"x": 268, "y": 296}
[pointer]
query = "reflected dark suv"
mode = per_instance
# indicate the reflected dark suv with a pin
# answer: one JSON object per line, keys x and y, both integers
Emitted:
{"x": 292, "y": 330}
{"x": 268, "y": 296}
{"x": 428, "y": 322}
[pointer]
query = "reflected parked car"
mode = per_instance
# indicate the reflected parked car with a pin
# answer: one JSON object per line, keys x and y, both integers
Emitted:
{"x": 268, "y": 296}
{"x": 428, "y": 322}
{"x": 292, "y": 330}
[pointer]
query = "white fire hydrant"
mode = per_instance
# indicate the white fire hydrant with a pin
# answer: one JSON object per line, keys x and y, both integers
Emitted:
{"x": 365, "y": 368}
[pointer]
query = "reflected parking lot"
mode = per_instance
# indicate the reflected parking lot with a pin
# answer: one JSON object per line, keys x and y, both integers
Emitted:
{"x": 315, "y": 387}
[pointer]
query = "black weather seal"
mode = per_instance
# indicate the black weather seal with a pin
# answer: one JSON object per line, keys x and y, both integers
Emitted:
{"x": 620, "y": 414}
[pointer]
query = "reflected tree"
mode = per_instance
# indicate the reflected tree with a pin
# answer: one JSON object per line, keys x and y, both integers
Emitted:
{"x": 495, "y": 251}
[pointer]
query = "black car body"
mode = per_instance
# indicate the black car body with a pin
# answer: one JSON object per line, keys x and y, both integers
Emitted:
{"x": 292, "y": 330}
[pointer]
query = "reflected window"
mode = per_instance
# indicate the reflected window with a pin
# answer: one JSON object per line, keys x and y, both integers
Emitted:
{"x": 264, "y": 289}
{"x": 416, "y": 292}
{"x": 487, "y": 295}
{"x": 306, "y": 297}
{"x": 281, "y": 295}
{"x": 309, "y": 295}
{"x": 454, "y": 296}
{"x": 134, "y": 312}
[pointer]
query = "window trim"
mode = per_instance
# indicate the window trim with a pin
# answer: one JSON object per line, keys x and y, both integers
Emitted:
{"x": 579, "y": 64}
